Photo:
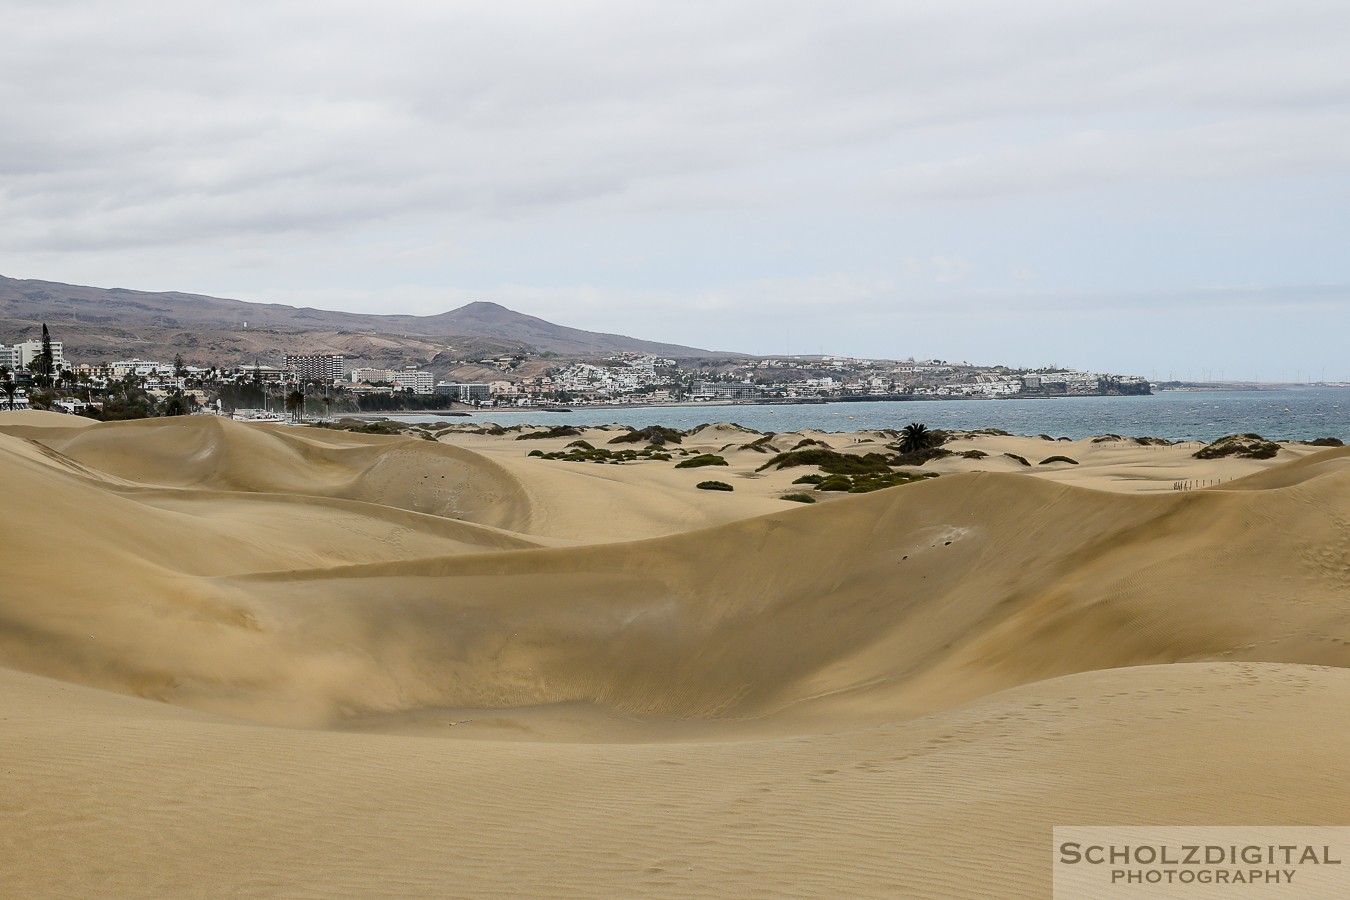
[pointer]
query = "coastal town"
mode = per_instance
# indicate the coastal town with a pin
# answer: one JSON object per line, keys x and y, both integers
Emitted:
{"x": 36, "y": 373}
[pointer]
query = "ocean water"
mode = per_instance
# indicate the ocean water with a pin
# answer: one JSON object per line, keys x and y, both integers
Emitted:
{"x": 1287, "y": 414}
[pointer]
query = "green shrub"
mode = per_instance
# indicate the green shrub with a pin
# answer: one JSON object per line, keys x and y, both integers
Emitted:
{"x": 974, "y": 454}
{"x": 799, "y": 498}
{"x": 361, "y": 426}
{"x": 714, "y": 486}
{"x": 836, "y": 483}
{"x": 864, "y": 484}
{"x": 652, "y": 434}
{"x": 1244, "y": 446}
{"x": 871, "y": 481}
{"x": 831, "y": 461}
{"x": 698, "y": 462}
{"x": 761, "y": 445}
{"x": 1327, "y": 442}
{"x": 1021, "y": 459}
{"x": 809, "y": 479}
{"x": 1055, "y": 459}
{"x": 918, "y": 457}
{"x": 580, "y": 451}
{"x": 555, "y": 432}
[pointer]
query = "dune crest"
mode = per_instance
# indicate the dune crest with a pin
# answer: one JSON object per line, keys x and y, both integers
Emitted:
{"x": 319, "y": 579}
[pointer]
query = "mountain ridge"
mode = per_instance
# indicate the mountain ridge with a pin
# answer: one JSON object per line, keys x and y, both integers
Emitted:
{"x": 97, "y": 324}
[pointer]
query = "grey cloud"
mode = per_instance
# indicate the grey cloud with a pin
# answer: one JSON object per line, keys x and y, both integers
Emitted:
{"x": 160, "y": 122}
{"x": 1227, "y": 149}
{"x": 317, "y": 152}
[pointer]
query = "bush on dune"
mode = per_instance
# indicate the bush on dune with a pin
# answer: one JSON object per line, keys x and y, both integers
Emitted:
{"x": 698, "y": 462}
{"x": 652, "y": 434}
{"x": 556, "y": 432}
{"x": 1242, "y": 446}
{"x": 867, "y": 482}
{"x": 919, "y": 457}
{"x": 761, "y": 445}
{"x": 831, "y": 461}
{"x": 836, "y": 483}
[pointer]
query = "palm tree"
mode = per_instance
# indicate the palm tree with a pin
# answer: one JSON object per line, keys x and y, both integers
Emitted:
{"x": 176, "y": 404}
{"x": 915, "y": 437}
{"x": 295, "y": 402}
{"x": 8, "y": 386}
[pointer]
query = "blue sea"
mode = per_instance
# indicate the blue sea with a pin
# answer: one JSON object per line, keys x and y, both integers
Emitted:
{"x": 1285, "y": 414}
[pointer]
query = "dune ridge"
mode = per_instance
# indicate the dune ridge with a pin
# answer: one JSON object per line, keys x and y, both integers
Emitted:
{"x": 919, "y": 598}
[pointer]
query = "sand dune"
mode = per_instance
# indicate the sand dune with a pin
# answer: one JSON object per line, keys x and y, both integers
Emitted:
{"x": 738, "y": 696}
{"x": 115, "y": 796}
{"x": 210, "y": 452}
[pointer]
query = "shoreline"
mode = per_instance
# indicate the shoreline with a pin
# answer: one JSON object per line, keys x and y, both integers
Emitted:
{"x": 691, "y": 404}
{"x": 1292, "y": 415}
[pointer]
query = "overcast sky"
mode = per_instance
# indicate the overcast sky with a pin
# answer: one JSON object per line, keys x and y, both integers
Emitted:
{"x": 1151, "y": 187}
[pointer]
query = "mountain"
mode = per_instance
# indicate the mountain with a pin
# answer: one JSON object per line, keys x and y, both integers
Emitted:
{"x": 492, "y": 320}
{"x": 98, "y": 324}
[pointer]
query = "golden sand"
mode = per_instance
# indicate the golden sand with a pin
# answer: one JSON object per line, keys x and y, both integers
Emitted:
{"x": 267, "y": 661}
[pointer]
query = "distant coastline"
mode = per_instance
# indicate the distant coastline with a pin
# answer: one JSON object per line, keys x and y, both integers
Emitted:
{"x": 1289, "y": 414}
{"x": 700, "y": 404}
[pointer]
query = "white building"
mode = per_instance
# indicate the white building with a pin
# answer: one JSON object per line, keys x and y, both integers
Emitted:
{"x": 142, "y": 368}
{"x": 464, "y": 393}
{"x": 722, "y": 390}
{"x": 258, "y": 372}
{"x": 316, "y": 366}
{"x": 70, "y": 405}
{"x": 371, "y": 375}
{"x": 27, "y": 351}
{"x": 419, "y": 382}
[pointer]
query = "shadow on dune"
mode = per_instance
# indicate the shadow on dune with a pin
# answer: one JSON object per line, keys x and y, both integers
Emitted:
{"x": 872, "y": 608}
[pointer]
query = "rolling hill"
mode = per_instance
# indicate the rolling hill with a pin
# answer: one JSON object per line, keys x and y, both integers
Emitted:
{"x": 98, "y": 324}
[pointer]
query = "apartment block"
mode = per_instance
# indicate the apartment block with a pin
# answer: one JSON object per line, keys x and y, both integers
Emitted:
{"x": 323, "y": 367}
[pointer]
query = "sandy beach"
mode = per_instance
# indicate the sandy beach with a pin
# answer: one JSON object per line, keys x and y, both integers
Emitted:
{"x": 258, "y": 660}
